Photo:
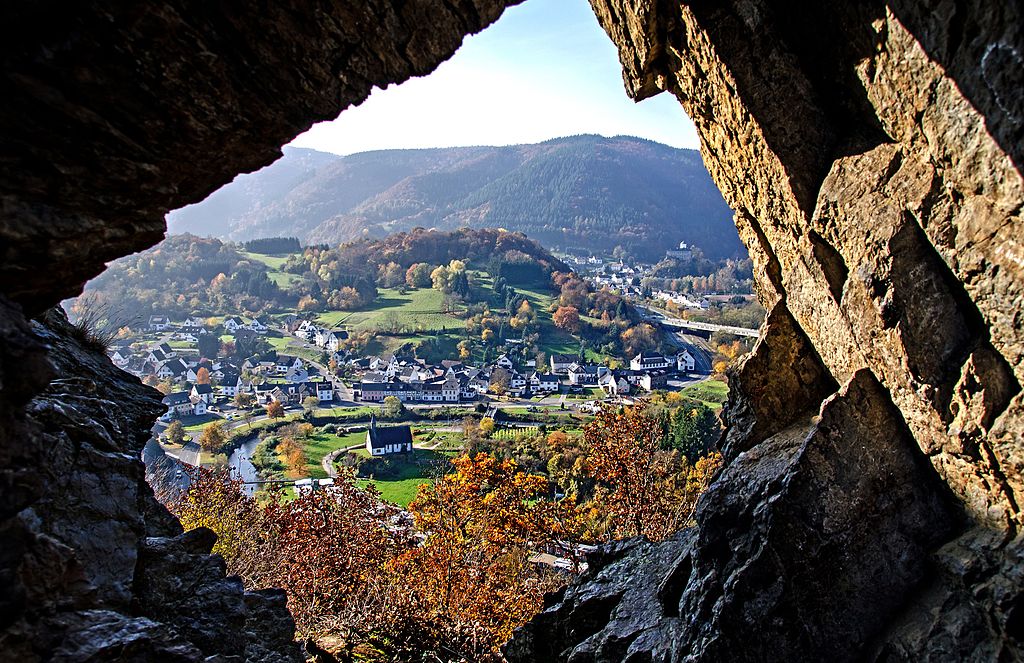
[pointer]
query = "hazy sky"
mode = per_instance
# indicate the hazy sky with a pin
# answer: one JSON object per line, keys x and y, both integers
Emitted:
{"x": 545, "y": 69}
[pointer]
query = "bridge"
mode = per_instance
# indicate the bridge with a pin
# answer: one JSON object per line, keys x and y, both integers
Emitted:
{"x": 708, "y": 327}
{"x": 663, "y": 319}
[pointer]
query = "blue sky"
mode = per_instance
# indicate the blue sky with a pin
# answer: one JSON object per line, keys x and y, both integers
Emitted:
{"x": 545, "y": 69}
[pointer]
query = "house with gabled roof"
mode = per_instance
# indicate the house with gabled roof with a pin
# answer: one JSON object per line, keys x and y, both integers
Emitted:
{"x": 333, "y": 339}
{"x": 121, "y": 356}
{"x": 258, "y": 326}
{"x": 230, "y": 383}
{"x": 172, "y": 368}
{"x": 650, "y": 361}
{"x": 684, "y": 361}
{"x": 585, "y": 374}
{"x": 561, "y": 363}
{"x": 386, "y": 440}
{"x": 233, "y": 323}
{"x": 178, "y": 404}
{"x": 544, "y": 382}
{"x": 159, "y": 323}
{"x": 203, "y": 392}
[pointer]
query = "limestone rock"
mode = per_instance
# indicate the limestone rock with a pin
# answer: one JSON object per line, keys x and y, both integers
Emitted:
{"x": 872, "y": 152}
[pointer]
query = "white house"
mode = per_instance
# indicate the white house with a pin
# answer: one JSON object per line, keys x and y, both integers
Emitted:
{"x": 586, "y": 374}
{"x": 121, "y": 357}
{"x": 561, "y": 363}
{"x": 544, "y": 382}
{"x": 159, "y": 323}
{"x": 202, "y": 392}
{"x": 178, "y": 405}
{"x": 257, "y": 326}
{"x": 229, "y": 384}
{"x": 685, "y": 361}
{"x": 233, "y": 324}
{"x": 171, "y": 369}
{"x": 503, "y": 361}
{"x": 516, "y": 380}
{"x": 388, "y": 440}
{"x": 285, "y": 363}
{"x": 324, "y": 392}
{"x": 612, "y": 385}
{"x": 649, "y": 361}
{"x": 333, "y": 339}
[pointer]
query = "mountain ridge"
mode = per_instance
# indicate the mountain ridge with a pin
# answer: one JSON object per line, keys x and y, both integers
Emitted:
{"x": 587, "y": 192}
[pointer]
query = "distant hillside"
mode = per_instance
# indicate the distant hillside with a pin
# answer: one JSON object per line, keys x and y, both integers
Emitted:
{"x": 583, "y": 192}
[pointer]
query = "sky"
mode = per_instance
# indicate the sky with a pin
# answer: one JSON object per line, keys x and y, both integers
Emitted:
{"x": 545, "y": 69}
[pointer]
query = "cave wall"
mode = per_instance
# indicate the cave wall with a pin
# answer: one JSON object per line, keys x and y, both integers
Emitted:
{"x": 113, "y": 114}
{"x": 872, "y": 154}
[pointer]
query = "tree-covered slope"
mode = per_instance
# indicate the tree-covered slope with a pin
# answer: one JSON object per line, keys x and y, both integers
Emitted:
{"x": 579, "y": 192}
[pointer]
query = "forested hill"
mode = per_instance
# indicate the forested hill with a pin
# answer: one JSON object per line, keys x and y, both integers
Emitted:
{"x": 583, "y": 192}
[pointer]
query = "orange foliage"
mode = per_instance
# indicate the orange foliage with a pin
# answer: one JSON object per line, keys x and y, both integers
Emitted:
{"x": 642, "y": 489}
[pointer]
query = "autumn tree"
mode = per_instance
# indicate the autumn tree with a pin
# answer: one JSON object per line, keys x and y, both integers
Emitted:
{"x": 293, "y": 453}
{"x": 213, "y": 437}
{"x": 310, "y": 404}
{"x": 472, "y": 575}
{"x": 243, "y": 400}
{"x": 175, "y": 432}
{"x": 487, "y": 426}
{"x": 639, "y": 338}
{"x": 275, "y": 410}
{"x": 501, "y": 380}
{"x": 203, "y": 376}
{"x": 465, "y": 348}
{"x": 418, "y": 275}
{"x": 329, "y": 550}
{"x": 642, "y": 488}
{"x": 390, "y": 275}
{"x": 567, "y": 318}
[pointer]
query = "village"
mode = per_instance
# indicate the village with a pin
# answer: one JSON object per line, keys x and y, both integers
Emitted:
{"x": 199, "y": 386}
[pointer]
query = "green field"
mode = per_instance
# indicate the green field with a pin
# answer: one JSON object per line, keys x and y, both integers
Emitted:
{"x": 294, "y": 346}
{"x": 321, "y": 444}
{"x": 712, "y": 392}
{"x": 402, "y": 489}
{"x": 398, "y": 491}
{"x": 415, "y": 310}
{"x": 273, "y": 262}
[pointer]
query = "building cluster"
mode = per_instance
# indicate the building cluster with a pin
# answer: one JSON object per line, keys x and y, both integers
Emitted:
{"x": 291, "y": 380}
{"x": 411, "y": 379}
{"x": 695, "y": 302}
{"x": 267, "y": 378}
{"x": 322, "y": 337}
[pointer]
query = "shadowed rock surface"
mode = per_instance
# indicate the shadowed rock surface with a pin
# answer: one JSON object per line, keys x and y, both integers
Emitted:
{"x": 113, "y": 114}
{"x": 869, "y": 508}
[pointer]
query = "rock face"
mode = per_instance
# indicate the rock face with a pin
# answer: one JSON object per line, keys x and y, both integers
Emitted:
{"x": 872, "y": 152}
{"x": 870, "y": 503}
{"x": 114, "y": 114}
